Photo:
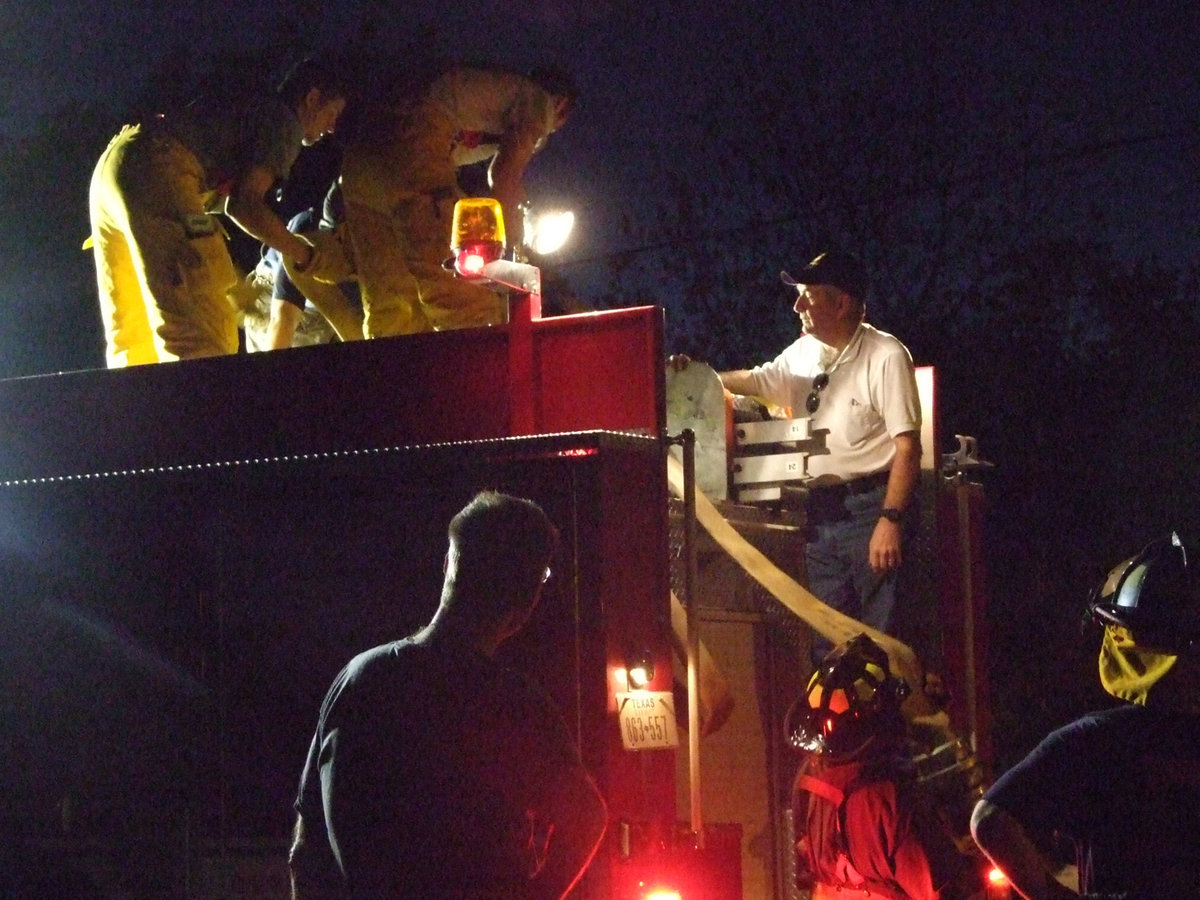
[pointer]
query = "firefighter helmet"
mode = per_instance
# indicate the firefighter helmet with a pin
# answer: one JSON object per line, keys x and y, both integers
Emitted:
{"x": 1155, "y": 595}
{"x": 851, "y": 701}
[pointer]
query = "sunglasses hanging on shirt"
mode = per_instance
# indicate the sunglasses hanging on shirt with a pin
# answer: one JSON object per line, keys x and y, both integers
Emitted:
{"x": 813, "y": 402}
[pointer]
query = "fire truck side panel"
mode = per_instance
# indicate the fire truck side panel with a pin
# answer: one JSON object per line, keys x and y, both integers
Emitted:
{"x": 573, "y": 373}
{"x": 168, "y": 636}
{"x": 190, "y": 552}
{"x": 592, "y": 371}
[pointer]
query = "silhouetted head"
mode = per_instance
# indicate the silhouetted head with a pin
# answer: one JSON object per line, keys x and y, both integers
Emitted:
{"x": 499, "y": 558}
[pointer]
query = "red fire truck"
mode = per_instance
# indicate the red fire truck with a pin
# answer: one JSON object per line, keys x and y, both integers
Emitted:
{"x": 191, "y": 551}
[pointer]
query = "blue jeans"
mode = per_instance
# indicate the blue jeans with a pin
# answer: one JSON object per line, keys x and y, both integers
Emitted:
{"x": 837, "y": 559}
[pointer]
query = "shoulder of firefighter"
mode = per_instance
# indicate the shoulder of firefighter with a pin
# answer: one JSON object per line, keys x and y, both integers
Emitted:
{"x": 496, "y": 103}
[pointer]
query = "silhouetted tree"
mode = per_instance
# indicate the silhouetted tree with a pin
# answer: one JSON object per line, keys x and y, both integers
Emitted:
{"x": 977, "y": 198}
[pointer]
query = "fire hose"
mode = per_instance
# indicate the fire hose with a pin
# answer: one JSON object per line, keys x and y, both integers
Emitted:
{"x": 822, "y": 618}
{"x": 949, "y": 768}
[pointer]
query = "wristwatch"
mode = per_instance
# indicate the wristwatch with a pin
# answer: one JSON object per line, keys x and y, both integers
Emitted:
{"x": 890, "y": 513}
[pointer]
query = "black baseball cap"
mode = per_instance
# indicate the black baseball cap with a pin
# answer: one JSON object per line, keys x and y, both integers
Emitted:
{"x": 842, "y": 270}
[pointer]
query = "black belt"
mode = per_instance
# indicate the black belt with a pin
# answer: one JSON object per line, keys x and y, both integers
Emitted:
{"x": 853, "y": 487}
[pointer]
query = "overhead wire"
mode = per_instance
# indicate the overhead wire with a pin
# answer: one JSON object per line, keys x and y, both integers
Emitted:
{"x": 1041, "y": 161}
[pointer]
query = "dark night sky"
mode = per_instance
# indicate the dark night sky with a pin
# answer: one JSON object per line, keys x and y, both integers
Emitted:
{"x": 645, "y": 69}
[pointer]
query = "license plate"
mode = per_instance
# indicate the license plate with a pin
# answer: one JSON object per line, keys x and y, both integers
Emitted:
{"x": 647, "y": 720}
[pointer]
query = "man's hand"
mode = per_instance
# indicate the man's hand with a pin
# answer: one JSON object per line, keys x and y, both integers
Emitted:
{"x": 312, "y": 866}
{"x": 884, "y": 550}
{"x": 736, "y": 382}
{"x": 320, "y": 255}
{"x": 506, "y": 175}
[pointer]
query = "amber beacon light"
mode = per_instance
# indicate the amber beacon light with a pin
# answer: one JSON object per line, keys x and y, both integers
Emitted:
{"x": 478, "y": 235}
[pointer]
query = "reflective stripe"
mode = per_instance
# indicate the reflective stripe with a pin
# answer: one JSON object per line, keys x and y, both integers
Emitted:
{"x": 822, "y": 891}
{"x": 821, "y": 789}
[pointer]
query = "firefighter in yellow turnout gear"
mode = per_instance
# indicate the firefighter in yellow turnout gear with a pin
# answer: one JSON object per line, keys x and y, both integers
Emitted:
{"x": 399, "y": 180}
{"x": 162, "y": 267}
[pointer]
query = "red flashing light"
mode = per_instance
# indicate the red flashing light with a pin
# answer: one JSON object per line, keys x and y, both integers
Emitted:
{"x": 477, "y": 236}
{"x": 997, "y": 877}
{"x": 470, "y": 263}
{"x": 471, "y": 258}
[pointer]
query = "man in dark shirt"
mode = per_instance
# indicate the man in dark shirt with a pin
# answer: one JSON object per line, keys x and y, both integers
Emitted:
{"x": 1123, "y": 783}
{"x": 435, "y": 772}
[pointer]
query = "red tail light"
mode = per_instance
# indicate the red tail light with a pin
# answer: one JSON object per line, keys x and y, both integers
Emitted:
{"x": 998, "y": 885}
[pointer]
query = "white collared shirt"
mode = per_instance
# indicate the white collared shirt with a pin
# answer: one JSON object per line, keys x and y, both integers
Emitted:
{"x": 871, "y": 397}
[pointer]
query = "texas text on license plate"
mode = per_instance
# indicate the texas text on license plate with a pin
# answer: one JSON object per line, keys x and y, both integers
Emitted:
{"x": 647, "y": 720}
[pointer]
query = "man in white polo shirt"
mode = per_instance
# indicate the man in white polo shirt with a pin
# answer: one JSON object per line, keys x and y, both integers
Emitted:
{"x": 858, "y": 384}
